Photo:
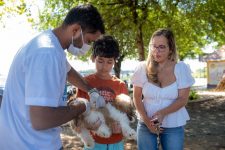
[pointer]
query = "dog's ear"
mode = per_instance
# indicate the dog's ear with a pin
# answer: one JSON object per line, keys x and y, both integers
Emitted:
{"x": 123, "y": 98}
{"x": 123, "y": 103}
{"x": 71, "y": 93}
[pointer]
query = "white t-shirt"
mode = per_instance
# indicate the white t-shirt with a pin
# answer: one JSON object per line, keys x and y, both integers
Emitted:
{"x": 37, "y": 77}
{"x": 156, "y": 98}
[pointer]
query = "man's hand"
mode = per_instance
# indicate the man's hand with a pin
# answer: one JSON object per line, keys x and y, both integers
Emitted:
{"x": 96, "y": 99}
{"x": 82, "y": 101}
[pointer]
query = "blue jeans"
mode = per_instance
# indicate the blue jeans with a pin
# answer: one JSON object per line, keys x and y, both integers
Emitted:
{"x": 116, "y": 146}
{"x": 170, "y": 138}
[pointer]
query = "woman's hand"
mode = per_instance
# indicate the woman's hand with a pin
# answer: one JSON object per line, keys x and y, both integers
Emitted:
{"x": 150, "y": 125}
{"x": 154, "y": 128}
{"x": 159, "y": 115}
{"x": 116, "y": 128}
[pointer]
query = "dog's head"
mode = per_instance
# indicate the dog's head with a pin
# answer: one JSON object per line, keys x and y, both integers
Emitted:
{"x": 71, "y": 93}
{"x": 125, "y": 104}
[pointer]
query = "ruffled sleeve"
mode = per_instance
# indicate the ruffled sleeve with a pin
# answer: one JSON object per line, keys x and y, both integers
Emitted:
{"x": 183, "y": 75}
{"x": 139, "y": 77}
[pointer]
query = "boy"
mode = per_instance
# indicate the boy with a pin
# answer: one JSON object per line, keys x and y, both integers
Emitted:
{"x": 105, "y": 53}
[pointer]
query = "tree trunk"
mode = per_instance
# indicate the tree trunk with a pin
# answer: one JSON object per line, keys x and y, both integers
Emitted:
{"x": 139, "y": 37}
{"x": 140, "y": 44}
{"x": 117, "y": 66}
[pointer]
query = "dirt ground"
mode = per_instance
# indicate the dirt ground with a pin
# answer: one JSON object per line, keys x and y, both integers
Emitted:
{"x": 205, "y": 130}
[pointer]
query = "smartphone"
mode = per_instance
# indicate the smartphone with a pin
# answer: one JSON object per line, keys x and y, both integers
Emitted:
{"x": 155, "y": 121}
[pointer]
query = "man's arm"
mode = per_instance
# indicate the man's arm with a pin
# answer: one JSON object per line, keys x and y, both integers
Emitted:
{"x": 43, "y": 117}
{"x": 76, "y": 79}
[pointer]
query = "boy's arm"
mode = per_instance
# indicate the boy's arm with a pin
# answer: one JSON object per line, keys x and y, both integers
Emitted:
{"x": 116, "y": 127}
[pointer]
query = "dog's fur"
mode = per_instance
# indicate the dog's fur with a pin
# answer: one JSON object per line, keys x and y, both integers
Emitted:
{"x": 120, "y": 110}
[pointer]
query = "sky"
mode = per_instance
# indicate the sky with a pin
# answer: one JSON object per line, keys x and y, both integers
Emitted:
{"x": 12, "y": 37}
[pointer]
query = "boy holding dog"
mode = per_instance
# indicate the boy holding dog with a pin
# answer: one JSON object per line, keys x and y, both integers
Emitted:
{"x": 104, "y": 54}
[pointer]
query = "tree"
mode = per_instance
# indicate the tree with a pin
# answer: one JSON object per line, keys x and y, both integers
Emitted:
{"x": 14, "y": 7}
{"x": 195, "y": 23}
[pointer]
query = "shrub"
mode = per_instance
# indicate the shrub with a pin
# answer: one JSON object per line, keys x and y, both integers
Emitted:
{"x": 193, "y": 95}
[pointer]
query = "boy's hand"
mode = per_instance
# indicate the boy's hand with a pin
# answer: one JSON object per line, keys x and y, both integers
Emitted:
{"x": 96, "y": 99}
{"x": 116, "y": 128}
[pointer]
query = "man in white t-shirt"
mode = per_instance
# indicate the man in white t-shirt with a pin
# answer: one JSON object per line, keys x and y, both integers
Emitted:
{"x": 34, "y": 100}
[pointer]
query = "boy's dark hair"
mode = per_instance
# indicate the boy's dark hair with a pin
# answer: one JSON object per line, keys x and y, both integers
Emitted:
{"x": 106, "y": 46}
{"x": 87, "y": 16}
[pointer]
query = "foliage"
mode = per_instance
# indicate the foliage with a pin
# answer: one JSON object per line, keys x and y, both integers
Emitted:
{"x": 195, "y": 23}
{"x": 193, "y": 95}
{"x": 2, "y": 3}
{"x": 14, "y": 7}
{"x": 132, "y": 22}
{"x": 200, "y": 73}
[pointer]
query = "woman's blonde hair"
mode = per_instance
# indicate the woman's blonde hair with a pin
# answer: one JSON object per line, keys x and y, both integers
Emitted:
{"x": 151, "y": 68}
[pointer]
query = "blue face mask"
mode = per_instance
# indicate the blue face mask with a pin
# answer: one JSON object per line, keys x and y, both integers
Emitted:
{"x": 76, "y": 51}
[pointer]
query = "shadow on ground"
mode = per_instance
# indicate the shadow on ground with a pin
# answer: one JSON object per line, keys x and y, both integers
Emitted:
{"x": 205, "y": 130}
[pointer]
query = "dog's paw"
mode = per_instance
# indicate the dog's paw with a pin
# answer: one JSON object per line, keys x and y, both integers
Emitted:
{"x": 130, "y": 134}
{"x": 89, "y": 144}
{"x": 104, "y": 131}
{"x": 87, "y": 140}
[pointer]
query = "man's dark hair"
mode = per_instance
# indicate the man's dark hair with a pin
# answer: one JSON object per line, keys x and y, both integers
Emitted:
{"x": 87, "y": 16}
{"x": 106, "y": 46}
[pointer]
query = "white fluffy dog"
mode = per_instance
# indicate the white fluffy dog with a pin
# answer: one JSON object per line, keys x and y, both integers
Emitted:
{"x": 120, "y": 110}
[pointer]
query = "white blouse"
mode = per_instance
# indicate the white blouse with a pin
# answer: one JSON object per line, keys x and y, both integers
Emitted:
{"x": 156, "y": 98}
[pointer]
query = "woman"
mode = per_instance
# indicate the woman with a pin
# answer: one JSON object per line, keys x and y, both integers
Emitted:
{"x": 161, "y": 90}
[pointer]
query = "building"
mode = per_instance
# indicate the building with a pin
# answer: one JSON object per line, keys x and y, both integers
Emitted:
{"x": 215, "y": 66}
